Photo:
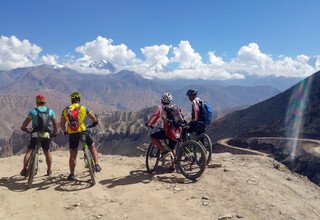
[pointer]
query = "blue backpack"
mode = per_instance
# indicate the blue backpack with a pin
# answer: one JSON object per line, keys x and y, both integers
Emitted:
{"x": 207, "y": 115}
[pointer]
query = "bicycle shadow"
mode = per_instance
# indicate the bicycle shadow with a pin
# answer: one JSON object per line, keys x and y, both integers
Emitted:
{"x": 134, "y": 177}
{"x": 173, "y": 179}
{"x": 80, "y": 183}
{"x": 17, "y": 183}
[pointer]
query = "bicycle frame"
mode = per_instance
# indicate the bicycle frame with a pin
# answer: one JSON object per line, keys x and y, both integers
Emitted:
{"x": 33, "y": 159}
{"x": 88, "y": 158}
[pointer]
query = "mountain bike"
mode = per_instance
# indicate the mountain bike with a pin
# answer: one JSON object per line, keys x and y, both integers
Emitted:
{"x": 34, "y": 157}
{"x": 204, "y": 140}
{"x": 190, "y": 157}
{"x": 88, "y": 158}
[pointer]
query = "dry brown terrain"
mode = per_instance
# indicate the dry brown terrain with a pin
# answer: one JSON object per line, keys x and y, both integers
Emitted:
{"x": 233, "y": 187}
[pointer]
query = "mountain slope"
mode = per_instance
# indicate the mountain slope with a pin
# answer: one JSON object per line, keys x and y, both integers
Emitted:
{"x": 269, "y": 117}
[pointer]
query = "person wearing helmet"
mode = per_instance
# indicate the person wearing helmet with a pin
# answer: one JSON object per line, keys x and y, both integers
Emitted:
{"x": 40, "y": 117}
{"x": 168, "y": 132}
{"x": 196, "y": 124}
{"x": 74, "y": 116}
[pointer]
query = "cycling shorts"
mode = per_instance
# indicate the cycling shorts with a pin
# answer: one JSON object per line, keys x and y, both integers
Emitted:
{"x": 161, "y": 135}
{"x": 74, "y": 140}
{"x": 45, "y": 143}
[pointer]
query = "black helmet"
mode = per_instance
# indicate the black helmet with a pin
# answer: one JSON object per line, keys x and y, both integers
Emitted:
{"x": 192, "y": 92}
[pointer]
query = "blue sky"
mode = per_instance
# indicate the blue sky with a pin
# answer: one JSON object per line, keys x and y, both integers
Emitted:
{"x": 288, "y": 28}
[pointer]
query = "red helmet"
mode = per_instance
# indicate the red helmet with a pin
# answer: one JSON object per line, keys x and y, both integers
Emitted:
{"x": 40, "y": 98}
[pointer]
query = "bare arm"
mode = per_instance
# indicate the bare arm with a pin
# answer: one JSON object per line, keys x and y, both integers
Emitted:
{"x": 25, "y": 123}
{"x": 55, "y": 125}
{"x": 93, "y": 119}
{"x": 63, "y": 124}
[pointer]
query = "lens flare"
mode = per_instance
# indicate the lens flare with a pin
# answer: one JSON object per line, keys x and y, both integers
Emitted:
{"x": 295, "y": 113}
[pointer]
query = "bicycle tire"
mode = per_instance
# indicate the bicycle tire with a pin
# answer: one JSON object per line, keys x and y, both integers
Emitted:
{"x": 32, "y": 168}
{"x": 185, "y": 152}
{"x": 207, "y": 144}
{"x": 152, "y": 152}
{"x": 89, "y": 158}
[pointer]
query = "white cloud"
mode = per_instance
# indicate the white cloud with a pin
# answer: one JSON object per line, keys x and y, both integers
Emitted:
{"x": 214, "y": 60}
{"x": 160, "y": 61}
{"x": 103, "y": 49}
{"x": 252, "y": 56}
{"x": 185, "y": 55}
{"x": 156, "y": 56}
{"x": 49, "y": 59}
{"x": 15, "y": 53}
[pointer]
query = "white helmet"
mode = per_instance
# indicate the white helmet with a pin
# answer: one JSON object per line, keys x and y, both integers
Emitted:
{"x": 166, "y": 98}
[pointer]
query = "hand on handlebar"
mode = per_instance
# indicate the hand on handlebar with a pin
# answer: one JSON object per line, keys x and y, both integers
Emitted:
{"x": 95, "y": 123}
{"x": 26, "y": 130}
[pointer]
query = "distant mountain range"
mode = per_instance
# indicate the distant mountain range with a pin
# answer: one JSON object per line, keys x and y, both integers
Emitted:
{"x": 124, "y": 91}
{"x": 121, "y": 91}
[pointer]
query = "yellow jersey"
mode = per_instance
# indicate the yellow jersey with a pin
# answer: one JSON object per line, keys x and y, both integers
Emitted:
{"x": 83, "y": 111}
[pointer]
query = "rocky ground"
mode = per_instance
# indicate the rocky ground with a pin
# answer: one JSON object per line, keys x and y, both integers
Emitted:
{"x": 232, "y": 187}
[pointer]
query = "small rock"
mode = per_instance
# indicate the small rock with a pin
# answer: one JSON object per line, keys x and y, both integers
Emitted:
{"x": 205, "y": 197}
{"x": 289, "y": 178}
{"x": 205, "y": 202}
{"x": 215, "y": 165}
{"x": 40, "y": 160}
{"x": 177, "y": 189}
{"x": 225, "y": 170}
{"x": 252, "y": 182}
{"x": 239, "y": 215}
{"x": 282, "y": 213}
{"x": 76, "y": 205}
{"x": 225, "y": 217}
{"x": 280, "y": 167}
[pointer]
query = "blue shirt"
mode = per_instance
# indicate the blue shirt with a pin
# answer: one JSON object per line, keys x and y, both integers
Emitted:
{"x": 34, "y": 115}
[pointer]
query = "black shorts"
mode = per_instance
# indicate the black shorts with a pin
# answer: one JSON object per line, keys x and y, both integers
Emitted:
{"x": 161, "y": 135}
{"x": 196, "y": 126}
{"x": 74, "y": 140}
{"x": 45, "y": 143}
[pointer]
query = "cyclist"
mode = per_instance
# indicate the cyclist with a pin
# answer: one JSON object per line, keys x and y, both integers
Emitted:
{"x": 169, "y": 132}
{"x": 40, "y": 117}
{"x": 74, "y": 116}
{"x": 196, "y": 124}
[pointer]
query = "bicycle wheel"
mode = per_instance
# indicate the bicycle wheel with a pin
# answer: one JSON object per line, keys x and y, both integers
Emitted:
{"x": 205, "y": 140}
{"x": 32, "y": 167}
{"x": 89, "y": 159}
{"x": 152, "y": 158}
{"x": 191, "y": 159}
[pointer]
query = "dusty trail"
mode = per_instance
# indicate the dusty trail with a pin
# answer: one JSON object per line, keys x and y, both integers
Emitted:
{"x": 236, "y": 186}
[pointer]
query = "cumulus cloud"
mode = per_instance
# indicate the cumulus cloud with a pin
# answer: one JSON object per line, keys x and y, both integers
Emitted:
{"x": 251, "y": 60}
{"x": 103, "y": 49}
{"x": 156, "y": 56}
{"x": 252, "y": 56}
{"x": 49, "y": 59}
{"x": 185, "y": 55}
{"x": 214, "y": 60}
{"x": 15, "y": 53}
{"x": 160, "y": 61}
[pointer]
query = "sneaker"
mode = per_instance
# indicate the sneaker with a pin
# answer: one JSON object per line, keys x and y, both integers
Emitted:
{"x": 70, "y": 177}
{"x": 24, "y": 172}
{"x": 49, "y": 172}
{"x": 97, "y": 168}
{"x": 164, "y": 154}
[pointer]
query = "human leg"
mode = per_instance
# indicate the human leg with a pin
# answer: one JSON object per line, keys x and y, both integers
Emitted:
{"x": 45, "y": 146}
